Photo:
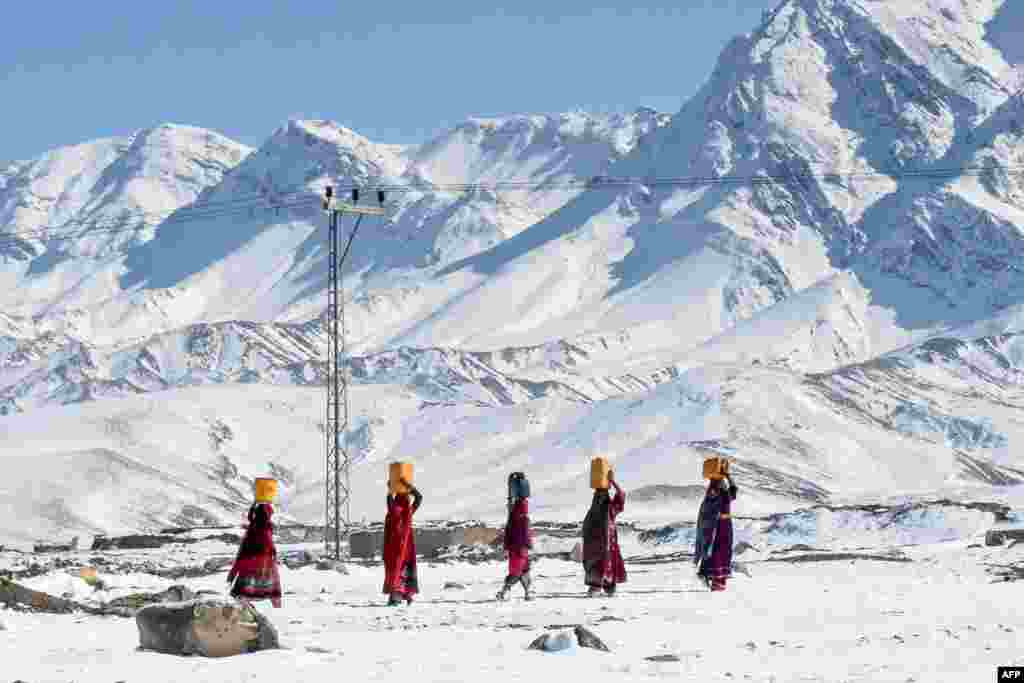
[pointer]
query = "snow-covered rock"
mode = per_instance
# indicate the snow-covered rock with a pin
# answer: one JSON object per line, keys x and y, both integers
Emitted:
{"x": 566, "y": 641}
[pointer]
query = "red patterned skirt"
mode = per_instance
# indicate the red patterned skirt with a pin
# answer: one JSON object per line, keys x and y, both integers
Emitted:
{"x": 257, "y": 578}
{"x": 518, "y": 563}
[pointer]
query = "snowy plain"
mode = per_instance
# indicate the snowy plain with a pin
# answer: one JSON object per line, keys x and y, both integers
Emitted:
{"x": 936, "y": 617}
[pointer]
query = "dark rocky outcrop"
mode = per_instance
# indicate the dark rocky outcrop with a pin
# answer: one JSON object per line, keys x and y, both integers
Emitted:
{"x": 995, "y": 537}
{"x": 838, "y": 557}
{"x": 152, "y": 541}
{"x": 15, "y": 596}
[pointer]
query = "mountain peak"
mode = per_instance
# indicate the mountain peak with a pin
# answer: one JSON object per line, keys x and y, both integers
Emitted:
{"x": 325, "y": 149}
{"x": 532, "y": 147}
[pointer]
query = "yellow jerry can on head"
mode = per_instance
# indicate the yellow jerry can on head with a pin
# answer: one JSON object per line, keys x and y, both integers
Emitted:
{"x": 716, "y": 467}
{"x": 266, "y": 490}
{"x": 397, "y": 471}
{"x": 599, "y": 469}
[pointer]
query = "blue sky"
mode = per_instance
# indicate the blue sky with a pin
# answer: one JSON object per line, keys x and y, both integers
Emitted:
{"x": 393, "y": 71}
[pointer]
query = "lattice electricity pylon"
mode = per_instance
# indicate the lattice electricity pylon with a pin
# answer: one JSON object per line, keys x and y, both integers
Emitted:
{"x": 337, "y": 520}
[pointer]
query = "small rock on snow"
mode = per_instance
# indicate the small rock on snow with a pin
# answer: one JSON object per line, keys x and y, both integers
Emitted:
{"x": 297, "y": 559}
{"x": 662, "y": 658}
{"x": 332, "y": 565}
{"x": 563, "y": 640}
{"x": 454, "y": 586}
{"x": 588, "y": 639}
{"x": 555, "y": 642}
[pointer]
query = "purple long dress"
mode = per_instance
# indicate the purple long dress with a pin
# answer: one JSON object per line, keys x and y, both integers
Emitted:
{"x": 602, "y": 559}
{"x": 713, "y": 553}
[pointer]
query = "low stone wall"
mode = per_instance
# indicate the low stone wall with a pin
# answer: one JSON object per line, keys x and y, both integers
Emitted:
{"x": 370, "y": 544}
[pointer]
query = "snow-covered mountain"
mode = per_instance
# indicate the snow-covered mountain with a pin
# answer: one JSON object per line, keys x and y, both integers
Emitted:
{"x": 69, "y": 217}
{"x": 814, "y": 263}
{"x": 259, "y": 252}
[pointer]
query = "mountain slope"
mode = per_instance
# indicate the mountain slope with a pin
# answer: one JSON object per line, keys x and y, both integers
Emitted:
{"x": 105, "y": 195}
{"x": 814, "y": 263}
{"x": 939, "y": 418}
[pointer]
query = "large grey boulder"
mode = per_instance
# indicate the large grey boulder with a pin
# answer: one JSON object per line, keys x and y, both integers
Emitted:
{"x": 209, "y": 627}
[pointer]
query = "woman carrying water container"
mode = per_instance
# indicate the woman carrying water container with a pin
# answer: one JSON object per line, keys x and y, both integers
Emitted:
{"x": 713, "y": 551}
{"x": 518, "y": 539}
{"x": 254, "y": 575}
{"x": 602, "y": 559}
{"x": 400, "y": 579}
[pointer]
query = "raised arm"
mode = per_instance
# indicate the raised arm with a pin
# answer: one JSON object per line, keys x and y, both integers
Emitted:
{"x": 417, "y": 497}
{"x": 619, "y": 499}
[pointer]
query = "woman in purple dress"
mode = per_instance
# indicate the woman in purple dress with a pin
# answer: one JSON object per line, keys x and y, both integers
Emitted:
{"x": 602, "y": 559}
{"x": 713, "y": 551}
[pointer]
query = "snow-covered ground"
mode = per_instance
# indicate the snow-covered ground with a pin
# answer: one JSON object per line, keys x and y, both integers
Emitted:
{"x": 939, "y": 617}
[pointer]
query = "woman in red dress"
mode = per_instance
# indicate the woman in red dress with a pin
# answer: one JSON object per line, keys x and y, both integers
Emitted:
{"x": 602, "y": 559}
{"x": 518, "y": 542}
{"x": 713, "y": 551}
{"x": 400, "y": 580}
{"x": 254, "y": 575}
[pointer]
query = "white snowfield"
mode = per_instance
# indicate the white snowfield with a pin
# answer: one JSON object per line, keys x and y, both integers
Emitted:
{"x": 937, "y": 618}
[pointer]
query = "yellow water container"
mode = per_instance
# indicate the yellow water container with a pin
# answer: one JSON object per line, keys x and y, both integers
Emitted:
{"x": 397, "y": 471}
{"x": 599, "y": 469}
{"x": 266, "y": 490}
{"x": 716, "y": 467}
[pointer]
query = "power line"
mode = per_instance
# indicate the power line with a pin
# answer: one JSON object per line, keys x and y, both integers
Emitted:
{"x": 196, "y": 212}
{"x": 163, "y": 218}
{"x": 120, "y": 226}
{"x": 210, "y": 210}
